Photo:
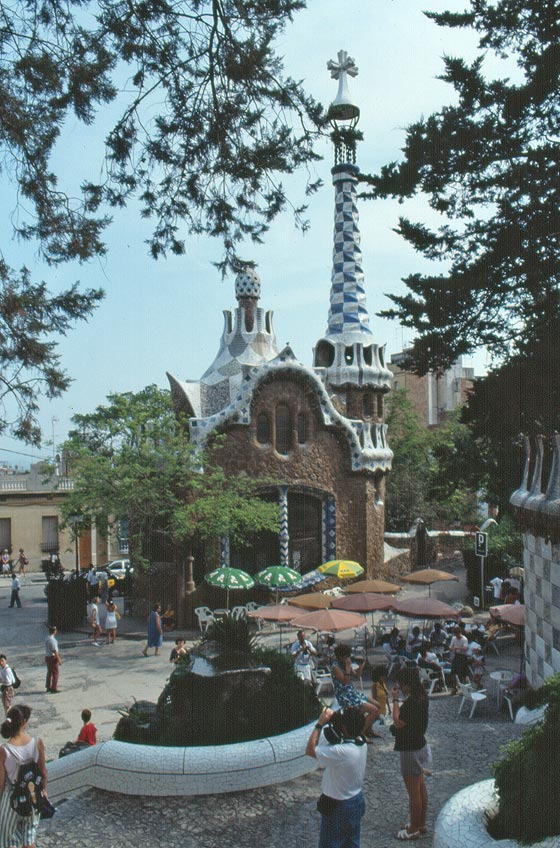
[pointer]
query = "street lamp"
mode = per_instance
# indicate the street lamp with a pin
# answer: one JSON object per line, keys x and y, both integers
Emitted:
{"x": 75, "y": 521}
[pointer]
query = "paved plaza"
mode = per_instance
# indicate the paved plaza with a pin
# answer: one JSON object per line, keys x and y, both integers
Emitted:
{"x": 106, "y": 679}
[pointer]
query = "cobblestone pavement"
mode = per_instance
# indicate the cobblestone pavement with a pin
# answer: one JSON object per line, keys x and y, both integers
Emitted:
{"x": 284, "y": 816}
{"x": 281, "y": 816}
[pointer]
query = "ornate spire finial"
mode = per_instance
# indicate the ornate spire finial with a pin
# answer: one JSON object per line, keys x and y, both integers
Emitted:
{"x": 343, "y": 113}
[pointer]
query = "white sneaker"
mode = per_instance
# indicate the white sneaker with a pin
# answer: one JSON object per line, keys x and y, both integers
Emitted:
{"x": 96, "y": 644}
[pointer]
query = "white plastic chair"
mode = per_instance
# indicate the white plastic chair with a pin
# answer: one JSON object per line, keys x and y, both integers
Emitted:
{"x": 321, "y": 680}
{"x": 204, "y": 616}
{"x": 239, "y": 612}
{"x": 431, "y": 678}
{"x": 470, "y": 695}
{"x": 251, "y": 606}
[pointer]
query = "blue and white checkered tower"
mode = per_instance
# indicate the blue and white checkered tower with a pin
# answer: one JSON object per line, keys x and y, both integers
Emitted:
{"x": 347, "y": 355}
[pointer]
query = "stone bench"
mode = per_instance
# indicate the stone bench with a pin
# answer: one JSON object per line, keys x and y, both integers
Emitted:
{"x": 206, "y": 770}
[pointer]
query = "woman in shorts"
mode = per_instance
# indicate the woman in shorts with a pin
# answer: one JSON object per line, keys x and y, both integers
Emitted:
{"x": 410, "y": 721}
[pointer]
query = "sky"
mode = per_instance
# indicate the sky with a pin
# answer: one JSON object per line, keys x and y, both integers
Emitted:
{"x": 167, "y": 315}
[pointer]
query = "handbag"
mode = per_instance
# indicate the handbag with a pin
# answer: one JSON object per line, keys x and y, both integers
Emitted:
{"x": 46, "y": 809}
{"x": 17, "y": 682}
{"x": 326, "y": 805}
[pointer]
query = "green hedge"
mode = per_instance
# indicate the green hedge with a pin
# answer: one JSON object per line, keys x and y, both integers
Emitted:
{"x": 527, "y": 777}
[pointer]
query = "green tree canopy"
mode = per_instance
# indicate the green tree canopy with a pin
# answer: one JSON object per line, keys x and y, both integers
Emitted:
{"x": 520, "y": 396}
{"x": 132, "y": 459}
{"x": 489, "y": 166}
{"x": 432, "y": 477}
{"x": 31, "y": 319}
{"x": 206, "y": 123}
{"x": 206, "y": 120}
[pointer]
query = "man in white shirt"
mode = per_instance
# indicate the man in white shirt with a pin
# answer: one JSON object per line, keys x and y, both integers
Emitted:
{"x": 14, "y": 597}
{"x": 7, "y": 681}
{"x": 496, "y": 584}
{"x": 52, "y": 661}
{"x": 302, "y": 650}
{"x": 342, "y": 751}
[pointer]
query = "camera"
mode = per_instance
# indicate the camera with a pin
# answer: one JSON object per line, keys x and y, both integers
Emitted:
{"x": 353, "y": 720}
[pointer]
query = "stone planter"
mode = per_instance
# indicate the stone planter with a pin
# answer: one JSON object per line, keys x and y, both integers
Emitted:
{"x": 160, "y": 771}
{"x": 461, "y": 822}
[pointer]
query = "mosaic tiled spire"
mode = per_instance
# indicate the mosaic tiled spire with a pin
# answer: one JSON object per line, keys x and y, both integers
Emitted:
{"x": 347, "y": 351}
{"x": 348, "y": 315}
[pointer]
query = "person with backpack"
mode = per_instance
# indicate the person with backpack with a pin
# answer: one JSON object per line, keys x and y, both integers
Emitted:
{"x": 7, "y": 680}
{"x": 21, "y": 755}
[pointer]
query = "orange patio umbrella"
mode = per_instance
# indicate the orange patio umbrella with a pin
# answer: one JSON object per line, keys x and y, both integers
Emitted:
{"x": 510, "y": 614}
{"x": 424, "y": 608}
{"x": 427, "y": 576}
{"x": 313, "y": 600}
{"x": 274, "y": 612}
{"x": 363, "y": 602}
{"x": 330, "y": 620}
{"x": 378, "y": 586}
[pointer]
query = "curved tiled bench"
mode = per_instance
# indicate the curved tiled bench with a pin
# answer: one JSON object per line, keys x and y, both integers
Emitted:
{"x": 206, "y": 770}
{"x": 461, "y": 821}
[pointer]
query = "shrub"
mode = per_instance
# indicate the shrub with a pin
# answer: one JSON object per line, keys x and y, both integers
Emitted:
{"x": 254, "y": 694}
{"x": 233, "y": 636}
{"x": 527, "y": 776}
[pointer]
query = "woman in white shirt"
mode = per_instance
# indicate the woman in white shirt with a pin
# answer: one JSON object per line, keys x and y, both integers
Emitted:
{"x": 18, "y": 831}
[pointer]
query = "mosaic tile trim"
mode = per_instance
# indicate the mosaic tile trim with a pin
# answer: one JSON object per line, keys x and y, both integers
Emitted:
{"x": 460, "y": 823}
{"x": 284, "y": 534}
{"x": 367, "y": 441}
{"x": 206, "y": 770}
{"x": 330, "y": 528}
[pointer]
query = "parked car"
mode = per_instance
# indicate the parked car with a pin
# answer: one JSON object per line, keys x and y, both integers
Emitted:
{"x": 111, "y": 580}
{"x": 118, "y": 569}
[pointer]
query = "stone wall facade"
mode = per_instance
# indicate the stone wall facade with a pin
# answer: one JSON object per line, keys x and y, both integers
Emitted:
{"x": 322, "y": 465}
{"x": 542, "y": 607}
{"x": 538, "y": 513}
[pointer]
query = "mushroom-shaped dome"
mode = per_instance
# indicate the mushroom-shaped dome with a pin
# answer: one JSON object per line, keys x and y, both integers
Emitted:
{"x": 247, "y": 284}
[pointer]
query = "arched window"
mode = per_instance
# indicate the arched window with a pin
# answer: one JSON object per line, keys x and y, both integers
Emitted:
{"x": 368, "y": 405}
{"x": 283, "y": 428}
{"x": 380, "y": 406}
{"x": 302, "y": 428}
{"x": 263, "y": 428}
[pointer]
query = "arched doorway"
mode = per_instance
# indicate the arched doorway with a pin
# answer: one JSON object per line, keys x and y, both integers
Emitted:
{"x": 305, "y": 528}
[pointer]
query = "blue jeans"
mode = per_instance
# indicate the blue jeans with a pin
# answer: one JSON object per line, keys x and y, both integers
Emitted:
{"x": 342, "y": 828}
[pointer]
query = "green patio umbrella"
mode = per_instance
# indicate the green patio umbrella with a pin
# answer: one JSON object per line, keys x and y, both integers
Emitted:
{"x": 277, "y": 577}
{"x": 229, "y": 579}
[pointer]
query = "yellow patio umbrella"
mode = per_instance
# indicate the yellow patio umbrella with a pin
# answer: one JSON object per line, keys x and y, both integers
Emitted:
{"x": 344, "y": 569}
{"x": 312, "y": 600}
{"x": 379, "y": 587}
{"x": 427, "y": 576}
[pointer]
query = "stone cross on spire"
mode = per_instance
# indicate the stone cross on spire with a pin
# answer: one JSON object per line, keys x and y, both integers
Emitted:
{"x": 345, "y": 65}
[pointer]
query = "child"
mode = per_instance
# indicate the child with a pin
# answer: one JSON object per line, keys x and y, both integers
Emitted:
{"x": 88, "y": 733}
{"x": 179, "y": 651}
{"x": 379, "y": 691}
{"x": 477, "y": 664}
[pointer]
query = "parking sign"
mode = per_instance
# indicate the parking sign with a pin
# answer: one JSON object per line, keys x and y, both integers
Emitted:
{"x": 481, "y": 544}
